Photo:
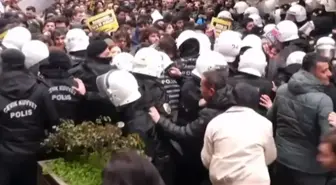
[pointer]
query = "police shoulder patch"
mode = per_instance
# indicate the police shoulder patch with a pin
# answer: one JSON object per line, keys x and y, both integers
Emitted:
{"x": 167, "y": 108}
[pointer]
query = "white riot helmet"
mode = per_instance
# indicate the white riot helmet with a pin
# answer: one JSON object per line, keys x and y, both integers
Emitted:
{"x": 16, "y": 38}
{"x": 252, "y": 41}
{"x": 148, "y": 61}
{"x": 330, "y": 5}
{"x": 251, "y": 10}
{"x": 256, "y": 20}
{"x": 35, "y": 52}
{"x": 268, "y": 28}
{"x": 167, "y": 62}
{"x": 184, "y": 36}
{"x": 240, "y": 7}
{"x": 253, "y": 62}
{"x": 123, "y": 61}
{"x": 311, "y": 5}
{"x": 267, "y": 6}
{"x": 76, "y": 40}
{"x": 225, "y": 15}
{"x": 295, "y": 57}
{"x": 120, "y": 86}
{"x": 228, "y": 44}
{"x": 325, "y": 46}
{"x": 203, "y": 64}
{"x": 205, "y": 43}
{"x": 296, "y": 13}
{"x": 288, "y": 31}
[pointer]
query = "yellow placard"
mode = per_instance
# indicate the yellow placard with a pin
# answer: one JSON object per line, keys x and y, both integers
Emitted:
{"x": 104, "y": 22}
{"x": 220, "y": 25}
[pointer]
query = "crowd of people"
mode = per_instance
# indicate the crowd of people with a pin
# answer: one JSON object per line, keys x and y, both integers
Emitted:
{"x": 249, "y": 103}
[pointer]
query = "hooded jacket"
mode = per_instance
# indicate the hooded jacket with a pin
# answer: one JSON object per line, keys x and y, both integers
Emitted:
{"x": 300, "y": 114}
{"x": 26, "y": 112}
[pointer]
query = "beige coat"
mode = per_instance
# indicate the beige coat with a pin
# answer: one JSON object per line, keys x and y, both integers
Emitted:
{"x": 238, "y": 146}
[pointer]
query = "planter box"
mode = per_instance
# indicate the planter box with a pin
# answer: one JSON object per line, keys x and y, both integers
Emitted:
{"x": 47, "y": 179}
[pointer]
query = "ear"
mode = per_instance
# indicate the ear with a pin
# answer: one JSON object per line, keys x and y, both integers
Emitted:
{"x": 212, "y": 91}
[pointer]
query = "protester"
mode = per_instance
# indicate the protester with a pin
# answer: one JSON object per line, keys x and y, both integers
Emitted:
{"x": 279, "y": 60}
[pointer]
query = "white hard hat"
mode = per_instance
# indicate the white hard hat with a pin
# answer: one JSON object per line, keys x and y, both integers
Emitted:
{"x": 268, "y": 28}
{"x": 251, "y": 10}
{"x": 120, "y": 86}
{"x": 288, "y": 31}
{"x": 228, "y": 44}
{"x": 295, "y": 57}
{"x": 16, "y": 38}
{"x": 330, "y": 5}
{"x": 296, "y": 13}
{"x": 165, "y": 60}
{"x": 35, "y": 51}
{"x": 256, "y": 20}
{"x": 76, "y": 40}
{"x": 184, "y": 36}
{"x": 267, "y": 6}
{"x": 148, "y": 61}
{"x": 252, "y": 41}
{"x": 203, "y": 64}
{"x": 253, "y": 62}
{"x": 240, "y": 7}
{"x": 205, "y": 43}
{"x": 123, "y": 61}
{"x": 225, "y": 15}
{"x": 325, "y": 42}
{"x": 325, "y": 46}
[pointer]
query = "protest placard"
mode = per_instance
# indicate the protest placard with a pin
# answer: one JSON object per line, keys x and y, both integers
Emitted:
{"x": 104, "y": 22}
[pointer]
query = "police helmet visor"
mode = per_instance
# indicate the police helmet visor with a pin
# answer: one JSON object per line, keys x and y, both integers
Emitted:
{"x": 103, "y": 85}
{"x": 290, "y": 16}
{"x": 326, "y": 52}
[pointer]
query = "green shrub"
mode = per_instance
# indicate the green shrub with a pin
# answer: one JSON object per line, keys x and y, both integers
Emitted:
{"x": 86, "y": 148}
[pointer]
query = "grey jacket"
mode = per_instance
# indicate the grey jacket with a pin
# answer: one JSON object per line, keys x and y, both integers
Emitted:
{"x": 300, "y": 115}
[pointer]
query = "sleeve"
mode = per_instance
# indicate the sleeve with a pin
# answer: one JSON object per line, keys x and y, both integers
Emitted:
{"x": 192, "y": 130}
{"x": 324, "y": 109}
{"x": 207, "y": 150}
{"x": 50, "y": 113}
{"x": 269, "y": 146}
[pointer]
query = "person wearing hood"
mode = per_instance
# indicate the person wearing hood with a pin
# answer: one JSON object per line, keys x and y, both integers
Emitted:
{"x": 55, "y": 74}
{"x": 96, "y": 63}
{"x": 26, "y": 112}
{"x": 126, "y": 96}
{"x": 36, "y": 53}
{"x": 189, "y": 47}
{"x": 251, "y": 70}
{"x": 190, "y": 136}
{"x": 300, "y": 117}
{"x": 16, "y": 38}
{"x": 76, "y": 43}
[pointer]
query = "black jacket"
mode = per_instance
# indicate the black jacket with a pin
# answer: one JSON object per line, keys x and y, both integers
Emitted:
{"x": 157, "y": 146}
{"x": 189, "y": 98}
{"x": 152, "y": 94}
{"x": 61, "y": 93}
{"x": 26, "y": 112}
{"x": 263, "y": 86}
{"x": 95, "y": 105}
{"x": 77, "y": 58}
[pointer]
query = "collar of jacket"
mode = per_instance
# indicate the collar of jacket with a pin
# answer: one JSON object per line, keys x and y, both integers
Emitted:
{"x": 234, "y": 109}
{"x": 223, "y": 98}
